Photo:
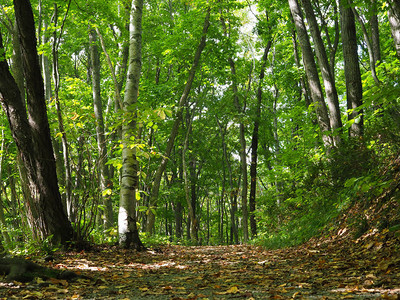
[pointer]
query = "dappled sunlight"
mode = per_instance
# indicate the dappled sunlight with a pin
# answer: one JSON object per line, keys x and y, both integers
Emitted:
{"x": 331, "y": 270}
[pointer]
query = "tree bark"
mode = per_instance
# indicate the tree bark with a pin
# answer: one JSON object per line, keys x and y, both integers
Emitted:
{"x": 32, "y": 134}
{"x": 305, "y": 91}
{"x": 233, "y": 190}
{"x": 187, "y": 184}
{"x": 375, "y": 36}
{"x": 127, "y": 227}
{"x": 332, "y": 44}
{"x": 105, "y": 182}
{"x": 242, "y": 154}
{"x": 69, "y": 204}
{"x": 327, "y": 75}
{"x": 312, "y": 73}
{"x": 368, "y": 42}
{"x": 44, "y": 60}
{"x": 351, "y": 69}
{"x": 17, "y": 66}
{"x": 254, "y": 145}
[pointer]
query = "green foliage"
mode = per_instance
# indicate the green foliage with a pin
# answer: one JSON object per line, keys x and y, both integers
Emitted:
{"x": 301, "y": 185}
{"x": 154, "y": 240}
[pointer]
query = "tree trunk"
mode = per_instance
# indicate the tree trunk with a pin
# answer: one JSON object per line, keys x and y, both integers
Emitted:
{"x": 69, "y": 204}
{"x": 327, "y": 75}
{"x": 178, "y": 219}
{"x": 242, "y": 151}
{"x": 17, "y": 66}
{"x": 178, "y": 119}
{"x": 44, "y": 59}
{"x": 32, "y": 134}
{"x": 105, "y": 182}
{"x": 312, "y": 73}
{"x": 233, "y": 190}
{"x": 332, "y": 44}
{"x": 127, "y": 227}
{"x": 351, "y": 69}
{"x": 254, "y": 145}
{"x": 188, "y": 187}
{"x": 375, "y": 38}
{"x": 305, "y": 91}
{"x": 368, "y": 42}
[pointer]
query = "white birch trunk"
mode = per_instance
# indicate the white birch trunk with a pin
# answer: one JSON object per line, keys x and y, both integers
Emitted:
{"x": 127, "y": 228}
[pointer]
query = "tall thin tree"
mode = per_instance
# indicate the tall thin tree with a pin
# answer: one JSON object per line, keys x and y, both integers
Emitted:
{"x": 178, "y": 119}
{"x": 127, "y": 227}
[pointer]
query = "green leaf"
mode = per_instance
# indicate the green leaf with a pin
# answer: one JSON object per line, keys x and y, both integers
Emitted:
{"x": 350, "y": 182}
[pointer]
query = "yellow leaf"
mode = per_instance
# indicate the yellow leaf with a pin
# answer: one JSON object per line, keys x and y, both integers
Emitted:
{"x": 162, "y": 115}
{"x": 76, "y": 116}
{"x": 232, "y": 290}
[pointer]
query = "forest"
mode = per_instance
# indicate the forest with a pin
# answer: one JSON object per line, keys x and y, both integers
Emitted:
{"x": 195, "y": 122}
{"x": 199, "y": 149}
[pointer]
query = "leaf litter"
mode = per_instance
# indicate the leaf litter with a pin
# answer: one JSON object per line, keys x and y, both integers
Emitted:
{"x": 340, "y": 269}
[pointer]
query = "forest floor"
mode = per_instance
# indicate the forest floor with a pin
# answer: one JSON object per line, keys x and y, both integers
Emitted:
{"x": 332, "y": 268}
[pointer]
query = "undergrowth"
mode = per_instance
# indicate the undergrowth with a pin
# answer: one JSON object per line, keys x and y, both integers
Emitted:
{"x": 351, "y": 187}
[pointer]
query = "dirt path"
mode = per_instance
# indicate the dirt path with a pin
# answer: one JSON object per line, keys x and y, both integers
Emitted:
{"x": 365, "y": 270}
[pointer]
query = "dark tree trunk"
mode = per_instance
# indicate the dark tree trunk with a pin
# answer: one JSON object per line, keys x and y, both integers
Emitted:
{"x": 351, "y": 69}
{"x": 178, "y": 219}
{"x": 375, "y": 32}
{"x": 254, "y": 146}
{"x": 32, "y": 134}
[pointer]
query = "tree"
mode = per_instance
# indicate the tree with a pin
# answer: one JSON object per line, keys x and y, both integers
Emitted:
{"x": 105, "y": 182}
{"x": 178, "y": 119}
{"x": 31, "y": 133}
{"x": 351, "y": 69}
{"x": 375, "y": 36}
{"x": 371, "y": 47}
{"x": 127, "y": 227}
{"x": 254, "y": 144}
{"x": 326, "y": 72}
{"x": 312, "y": 73}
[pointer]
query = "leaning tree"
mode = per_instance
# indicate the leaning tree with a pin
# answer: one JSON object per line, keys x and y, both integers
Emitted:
{"x": 30, "y": 129}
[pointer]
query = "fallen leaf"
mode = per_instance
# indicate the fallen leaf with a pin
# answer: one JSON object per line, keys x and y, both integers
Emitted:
{"x": 232, "y": 290}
